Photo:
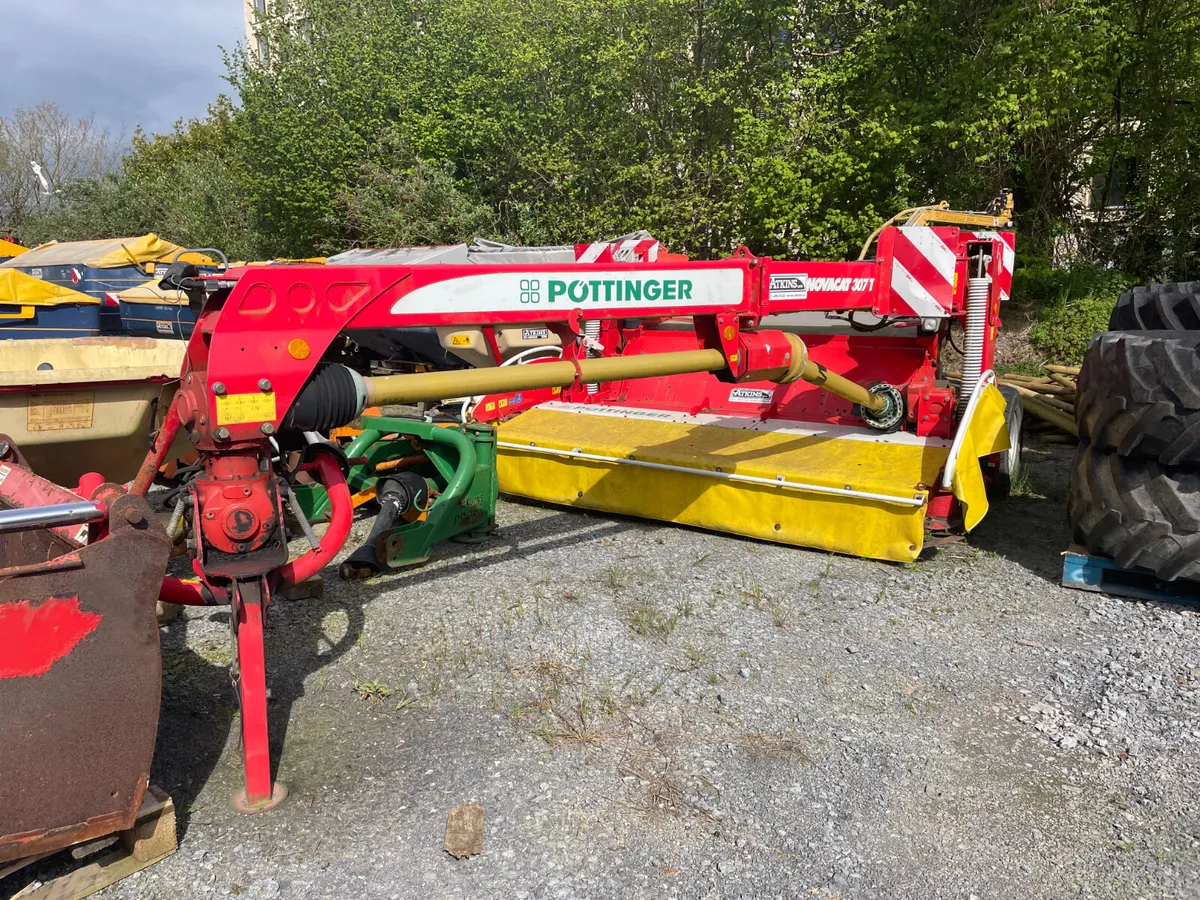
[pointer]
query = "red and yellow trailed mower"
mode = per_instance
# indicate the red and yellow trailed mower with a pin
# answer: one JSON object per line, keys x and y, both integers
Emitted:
{"x": 800, "y": 402}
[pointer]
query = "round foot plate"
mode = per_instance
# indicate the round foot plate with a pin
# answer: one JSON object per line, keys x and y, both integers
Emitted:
{"x": 278, "y": 795}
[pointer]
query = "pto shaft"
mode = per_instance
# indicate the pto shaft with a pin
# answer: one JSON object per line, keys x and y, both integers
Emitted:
{"x": 880, "y": 405}
{"x": 467, "y": 382}
{"x": 338, "y": 394}
{"x": 815, "y": 373}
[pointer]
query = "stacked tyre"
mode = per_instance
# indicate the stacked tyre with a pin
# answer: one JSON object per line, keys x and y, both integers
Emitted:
{"x": 1135, "y": 480}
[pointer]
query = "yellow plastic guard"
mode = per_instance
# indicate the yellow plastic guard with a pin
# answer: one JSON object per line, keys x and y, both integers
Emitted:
{"x": 19, "y": 288}
{"x": 898, "y": 467}
{"x": 986, "y": 434}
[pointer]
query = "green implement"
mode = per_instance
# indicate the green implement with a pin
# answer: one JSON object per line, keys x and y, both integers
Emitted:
{"x": 432, "y": 482}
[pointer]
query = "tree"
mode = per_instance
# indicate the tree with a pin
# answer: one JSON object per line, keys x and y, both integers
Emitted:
{"x": 184, "y": 185}
{"x": 41, "y": 150}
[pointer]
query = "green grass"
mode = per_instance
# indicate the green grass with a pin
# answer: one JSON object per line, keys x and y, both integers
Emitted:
{"x": 645, "y": 618}
{"x": 371, "y": 692}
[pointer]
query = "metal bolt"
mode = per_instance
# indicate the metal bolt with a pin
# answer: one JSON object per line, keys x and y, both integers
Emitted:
{"x": 219, "y": 389}
{"x": 267, "y": 428}
{"x": 222, "y": 434}
{"x": 132, "y": 515}
{"x": 264, "y": 384}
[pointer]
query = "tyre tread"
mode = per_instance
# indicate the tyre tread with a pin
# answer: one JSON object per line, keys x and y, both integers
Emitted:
{"x": 1139, "y": 395}
{"x": 1151, "y": 307}
{"x": 1137, "y": 512}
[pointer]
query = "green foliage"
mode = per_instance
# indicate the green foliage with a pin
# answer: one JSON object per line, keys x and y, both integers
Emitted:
{"x": 1075, "y": 304}
{"x": 184, "y": 186}
{"x": 401, "y": 205}
{"x": 791, "y": 128}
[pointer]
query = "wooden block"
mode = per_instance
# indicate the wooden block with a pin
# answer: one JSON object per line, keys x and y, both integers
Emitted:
{"x": 464, "y": 830}
{"x": 167, "y": 612}
{"x": 153, "y": 834}
{"x": 152, "y": 838}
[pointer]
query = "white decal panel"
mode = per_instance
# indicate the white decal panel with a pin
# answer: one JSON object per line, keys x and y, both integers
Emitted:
{"x": 621, "y": 292}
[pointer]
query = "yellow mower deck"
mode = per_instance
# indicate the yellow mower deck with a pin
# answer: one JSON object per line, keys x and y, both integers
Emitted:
{"x": 829, "y": 487}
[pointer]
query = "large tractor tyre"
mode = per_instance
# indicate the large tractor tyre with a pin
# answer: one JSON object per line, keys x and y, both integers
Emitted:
{"x": 1139, "y": 395}
{"x": 1173, "y": 306}
{"x": 1137, "y": 512}
{"x": 1008, "y": 466}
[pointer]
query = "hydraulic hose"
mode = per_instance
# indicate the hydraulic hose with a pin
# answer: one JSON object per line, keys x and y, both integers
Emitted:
{"x": 342, "y": 513}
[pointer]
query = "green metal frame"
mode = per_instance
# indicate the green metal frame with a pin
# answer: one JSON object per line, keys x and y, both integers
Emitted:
{"x": 461, "y": 470}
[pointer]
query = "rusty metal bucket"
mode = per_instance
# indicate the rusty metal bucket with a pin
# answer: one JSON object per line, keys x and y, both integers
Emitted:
{"x": 80, "y": 671}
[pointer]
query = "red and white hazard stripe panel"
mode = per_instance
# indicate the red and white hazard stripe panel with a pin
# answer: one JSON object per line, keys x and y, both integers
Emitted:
{"x": 617, "y": 251}
{"x": 923, "y": 271}
{"x": 1007, "y": 259}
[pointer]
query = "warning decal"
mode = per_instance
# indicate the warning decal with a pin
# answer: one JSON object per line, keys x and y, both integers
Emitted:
{"x": 59, "y": 410}
{"x": 238, "y": 409}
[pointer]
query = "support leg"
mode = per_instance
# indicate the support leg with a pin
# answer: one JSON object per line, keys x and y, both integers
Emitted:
{"x": 259, "y": 794}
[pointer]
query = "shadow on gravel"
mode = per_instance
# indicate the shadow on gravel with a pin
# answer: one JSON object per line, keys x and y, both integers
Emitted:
{"x": 1030, "y": 528}
{"x": 199, "y": 703}
{"x": 199, "y": 714}
{"x": 512, "y": 542}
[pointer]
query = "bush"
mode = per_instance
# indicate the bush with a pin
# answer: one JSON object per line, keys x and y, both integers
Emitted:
{"x": 1073, "y": 306}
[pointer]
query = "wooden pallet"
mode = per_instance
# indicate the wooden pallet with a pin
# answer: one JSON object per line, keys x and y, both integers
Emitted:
{"x": 1087, "y": 572}
{"x": 151, "y": 838}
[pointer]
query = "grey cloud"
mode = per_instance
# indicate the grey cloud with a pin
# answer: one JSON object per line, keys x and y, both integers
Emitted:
{"x": 125, "y": 61}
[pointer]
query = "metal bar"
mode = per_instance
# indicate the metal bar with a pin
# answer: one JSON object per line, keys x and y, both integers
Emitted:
{"x": 50, "y": 516}
{"x": 252, "y": 690}
{"x": 341, "y": 515}
{"x": 778, "y": 482}
{"x": 988, "y": 377}
{"x": 158, "y": 452}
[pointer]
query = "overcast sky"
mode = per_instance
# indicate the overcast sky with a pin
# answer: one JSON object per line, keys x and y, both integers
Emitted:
{"x": 125, "y": 61}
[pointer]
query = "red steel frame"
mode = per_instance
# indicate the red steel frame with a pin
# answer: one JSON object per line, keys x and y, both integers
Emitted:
{"x": 264, "y": 329}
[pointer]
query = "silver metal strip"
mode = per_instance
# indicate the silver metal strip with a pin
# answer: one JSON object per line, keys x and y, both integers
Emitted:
{"x": 747, "y": 423}
{"x": 988, "y": 377}
{"x": 50, "y": 516}
{"x": 913, "y": 500}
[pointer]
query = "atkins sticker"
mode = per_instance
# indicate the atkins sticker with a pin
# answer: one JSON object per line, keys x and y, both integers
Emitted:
{"x": 750, "y": 395}
{"x": 789, "y": 287}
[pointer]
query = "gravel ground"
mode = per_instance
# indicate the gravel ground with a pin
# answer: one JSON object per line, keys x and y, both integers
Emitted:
{"x": 653, "y": 711}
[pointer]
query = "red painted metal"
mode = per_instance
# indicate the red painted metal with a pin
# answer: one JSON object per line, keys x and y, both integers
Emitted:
{"x": 21, "y": 489}
{"x": 158, "y": 451}
{"x": 250, "y": 600}
{"x": 89, "y": 484}
{"x": 261, "y": 335}
{"x": 33, "y": 637}
{"x": 181, "y": 591}
{"x": 340, "y": 518}
{"x": 79, "y": 675}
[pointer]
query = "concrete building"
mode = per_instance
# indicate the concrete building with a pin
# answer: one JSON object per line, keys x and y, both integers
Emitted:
{"x": 253, "y": 11}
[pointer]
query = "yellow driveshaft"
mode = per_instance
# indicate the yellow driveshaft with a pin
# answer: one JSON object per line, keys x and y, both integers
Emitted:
{"x": 468, "y": 382}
